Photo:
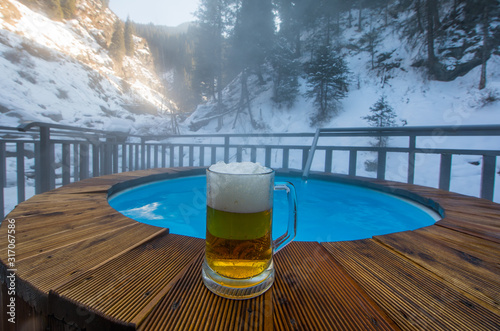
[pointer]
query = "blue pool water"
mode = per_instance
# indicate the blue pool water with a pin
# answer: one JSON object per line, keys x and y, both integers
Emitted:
{"x": 327, "y": 211}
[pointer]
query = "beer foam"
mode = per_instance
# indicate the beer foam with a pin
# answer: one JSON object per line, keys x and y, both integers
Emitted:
{"x": 240, "y": 187}
{"x": 239, "y": 168}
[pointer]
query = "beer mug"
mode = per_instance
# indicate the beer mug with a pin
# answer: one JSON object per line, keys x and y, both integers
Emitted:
{"x": 239, "y": 248}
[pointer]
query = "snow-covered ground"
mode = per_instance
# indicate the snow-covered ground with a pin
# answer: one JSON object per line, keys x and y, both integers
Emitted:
{"x": 58, "y": 72}
{"x": 415, "y": 98}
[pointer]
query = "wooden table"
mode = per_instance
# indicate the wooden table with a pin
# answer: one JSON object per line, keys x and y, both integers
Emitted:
{"x": 80, "y": 263}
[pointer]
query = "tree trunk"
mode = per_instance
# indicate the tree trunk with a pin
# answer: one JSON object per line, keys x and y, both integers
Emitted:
{"x": 431, "y": 57}
{"x": 435, "y": 14}
{"x": 484, "y": 56}
{"x": 244, "y": 100}
{"x": 328, "y": 30}
{"x": 360, "y": 18}
{"x": 298, "y": 44}
{"x": 386, "y": 18}
{"x": 418, "y": 10}
{"x": 455, "y": 8}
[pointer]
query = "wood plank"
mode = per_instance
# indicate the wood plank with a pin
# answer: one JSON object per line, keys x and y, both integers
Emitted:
{"x": 413, "y": 297}
{"x": 121, "y": 288}
{"x": 481, "y": 231}
{"x": 39, "y": 274}
{"x": 43, "y": 236}
{"x": 456, "y": 265}
{"x": 312, "y": 291}
{"x": 189, "y": 305}
{"x": 82, "y": 261}
{"x": 474, "y": 222}
{"x": 484, "y": 249}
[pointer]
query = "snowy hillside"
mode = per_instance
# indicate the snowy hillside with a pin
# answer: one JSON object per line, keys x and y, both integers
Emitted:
{"x": 60, "y": 72}
{"x": 414, "y": 97}
{"x": 416, "y": 100}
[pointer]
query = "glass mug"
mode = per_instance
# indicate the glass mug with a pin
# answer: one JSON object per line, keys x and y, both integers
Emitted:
{"x": 239, "y": 248}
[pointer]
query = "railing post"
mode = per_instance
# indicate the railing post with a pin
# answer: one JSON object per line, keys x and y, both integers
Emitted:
{"x": 411, "y": 159}
{"x": 213, "y": 155}
{"x": 445, "y": 172}
{"x": 353, "y": 160}
{"x": 115, "y": 157}
{"x": 239, "y": 153}
{"x": 226, "y": 149}
{"x": 20, "y": 172}
{"x": 52, "y": 166}
{"x": 191, "y": 156}
{"x": 124, "y": 157}
{"x": 202, "y": 156}
{"x": 181, "y": 156}
{"x": 44, "y": 161}
{"x": 305, "y": 158}
{"x": 286, "y": 158}
{"x": 130, "y": 157}
{"x": 172, "y": 156}
{"x": 66, "y": 161}
{"x": 84, "y": 161}
{"x": 3, "y": 162}
{"x": 267, "y": 160}
{"x": 328, "y": 159}
{"x": 381, "y": 163}
{"x": 136, "y": 157}
{"x": 108, "y": 155}
{"x": 143, "y": 154}
{"x": 96, "y": 171}
{"x": 76, "y": 162}
{"x": 2, "y": 178}
{"x": 155, "y": 158}
{"x": 488, "y": 177}
{"x": 148, "y": 156}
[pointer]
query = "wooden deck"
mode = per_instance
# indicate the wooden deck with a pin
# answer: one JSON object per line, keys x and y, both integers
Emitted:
{"x": 82, "y": 265}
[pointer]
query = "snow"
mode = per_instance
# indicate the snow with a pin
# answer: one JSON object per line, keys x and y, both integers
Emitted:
{"x": 55, "y": 86}
{"x": 60, "y": 73}
{"x": 415, "y": 98}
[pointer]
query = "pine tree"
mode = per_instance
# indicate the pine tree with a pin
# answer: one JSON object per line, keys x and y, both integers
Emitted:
{"x": 371, "y": 40}
{"x": 382, "y": 115}
{"x": 68, "y": 8}
{"x": 212, "y": 21}
{"x": 129, "y": 38}
{"x": 117, "y": 46}
{"x": 253, "y": 35}
{"x": 286, "y": 72}
{"x": 485, "y": 15}
{"x": 327, "y": 81}
{"x": 252, "y": 44}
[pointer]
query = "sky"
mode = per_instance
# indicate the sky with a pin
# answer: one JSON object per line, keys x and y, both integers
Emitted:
{"x": 160, "y": 12}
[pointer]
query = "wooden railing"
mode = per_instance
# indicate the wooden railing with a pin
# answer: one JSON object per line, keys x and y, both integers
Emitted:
{"x": 38, "y": 157}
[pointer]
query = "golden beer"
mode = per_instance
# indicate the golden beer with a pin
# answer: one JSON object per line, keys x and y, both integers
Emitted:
{"x": 238, "y": 245}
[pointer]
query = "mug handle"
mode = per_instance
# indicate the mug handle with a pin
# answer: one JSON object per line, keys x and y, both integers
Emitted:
{"x": 289, "y": 235}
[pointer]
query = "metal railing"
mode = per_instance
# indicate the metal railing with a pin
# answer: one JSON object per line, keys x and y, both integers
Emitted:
{"x": 38, "y": 157}
{"x": 413, "y": 134}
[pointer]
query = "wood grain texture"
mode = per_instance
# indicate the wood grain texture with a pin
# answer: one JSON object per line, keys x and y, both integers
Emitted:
{"x": 82, "y": 265}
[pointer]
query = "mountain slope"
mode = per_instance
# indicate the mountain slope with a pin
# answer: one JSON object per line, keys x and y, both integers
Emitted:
{"x": 400, "y": 77}
{"x": 61, "y": 72}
